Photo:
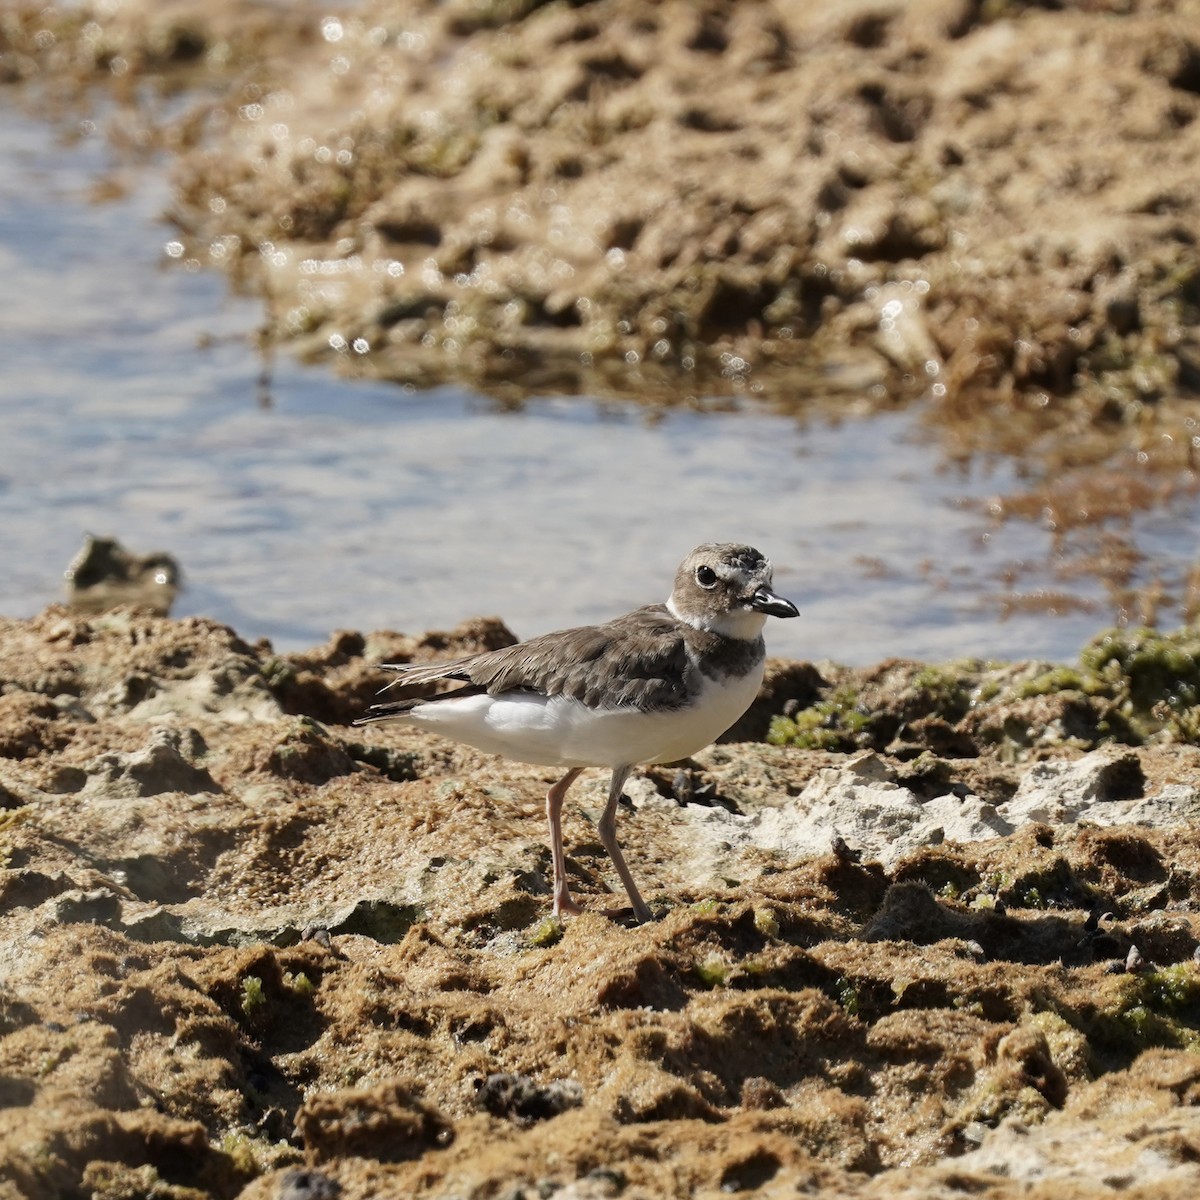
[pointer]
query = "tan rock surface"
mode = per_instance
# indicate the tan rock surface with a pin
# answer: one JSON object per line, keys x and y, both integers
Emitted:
{"x": 794, "y": 1020}
{"x": 248, "y": 950}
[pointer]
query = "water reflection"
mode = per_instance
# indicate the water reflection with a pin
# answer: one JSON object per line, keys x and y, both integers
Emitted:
{"x": 137, "y": 404}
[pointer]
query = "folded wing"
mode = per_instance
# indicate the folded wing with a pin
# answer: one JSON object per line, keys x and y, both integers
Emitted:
{"x": 640, "y": 658}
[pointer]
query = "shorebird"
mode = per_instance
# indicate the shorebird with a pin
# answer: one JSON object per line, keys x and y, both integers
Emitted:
{"x": 652, "y": 686}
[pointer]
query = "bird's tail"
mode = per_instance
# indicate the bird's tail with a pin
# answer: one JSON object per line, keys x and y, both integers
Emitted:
{"x": 393, "y": 710}
{"x": 408, "y": 674}
{"x": 413, "y": 674}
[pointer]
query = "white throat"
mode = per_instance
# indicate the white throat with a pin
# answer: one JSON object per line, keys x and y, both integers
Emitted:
{"x": 743, "y": 624}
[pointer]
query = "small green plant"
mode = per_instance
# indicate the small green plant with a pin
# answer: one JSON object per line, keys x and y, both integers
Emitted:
{"x": 766, "y": 922}
{"x": 848, "y": 996}
{"x": 1057, "y": 679}
{"x": 1159, "y": 1007}
{"x": 252, "y": 1156}
{"x": 835, "y": 723}
{"x": 240, "y": 1149}
{"x": 252, "y": 995}
{"x": 1172, "y": 989}
{"x": 1147, "y": 670}
{"x": 11, "y": 818}
{"x": 546, "y": 932}
{"x": 944, "y": 689}
{"x": 299, "y": 983}
{"x": 712, "y": 971}
{"x": 277, "y": 672}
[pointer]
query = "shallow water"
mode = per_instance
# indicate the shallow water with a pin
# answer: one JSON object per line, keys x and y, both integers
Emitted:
{"x": 129, "y": 405}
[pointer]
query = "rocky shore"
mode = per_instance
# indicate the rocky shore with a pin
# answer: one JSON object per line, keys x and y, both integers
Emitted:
{"x": 922, "y": 930}
{"x": 937, "y": 937}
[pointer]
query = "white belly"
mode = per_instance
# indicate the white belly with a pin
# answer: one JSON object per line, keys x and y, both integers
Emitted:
{"x": 562, "y": 732}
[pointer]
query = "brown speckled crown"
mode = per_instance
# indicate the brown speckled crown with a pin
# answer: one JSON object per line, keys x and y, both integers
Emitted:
{"x": 740, "y": 571}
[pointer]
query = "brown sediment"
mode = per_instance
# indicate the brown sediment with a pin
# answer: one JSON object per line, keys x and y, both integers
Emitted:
{"x": 248, "y": 950}
{"x": 603, "y": 196}
{"x": 247, "y": 953}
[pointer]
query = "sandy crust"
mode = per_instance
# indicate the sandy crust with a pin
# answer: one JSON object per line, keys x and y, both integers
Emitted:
{"x": 238, "y": 942}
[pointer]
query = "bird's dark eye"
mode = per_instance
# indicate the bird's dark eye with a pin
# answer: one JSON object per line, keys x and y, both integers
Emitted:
{"x": 706, "y": 577}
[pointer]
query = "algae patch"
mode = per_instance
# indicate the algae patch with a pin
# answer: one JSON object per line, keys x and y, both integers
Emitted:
{"x": 1131, "y": 686}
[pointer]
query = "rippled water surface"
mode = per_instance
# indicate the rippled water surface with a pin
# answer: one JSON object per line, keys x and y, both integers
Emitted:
{"x": 129, "y": 406}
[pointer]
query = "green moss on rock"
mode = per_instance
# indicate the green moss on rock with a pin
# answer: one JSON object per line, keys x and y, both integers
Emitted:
{"x": 1130, "y": 686}
{"x": 835, "y": 723}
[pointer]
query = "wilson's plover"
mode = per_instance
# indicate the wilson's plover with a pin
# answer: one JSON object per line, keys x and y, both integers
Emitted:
{"x": 653, "y": 686}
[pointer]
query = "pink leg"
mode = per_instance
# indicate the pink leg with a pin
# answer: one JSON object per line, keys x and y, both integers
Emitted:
{"x": 554, "y": 802}
{"x": 608, "y": 836}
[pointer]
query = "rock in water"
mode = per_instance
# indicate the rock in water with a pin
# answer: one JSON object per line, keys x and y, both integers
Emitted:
{"x": 104, "y": 575}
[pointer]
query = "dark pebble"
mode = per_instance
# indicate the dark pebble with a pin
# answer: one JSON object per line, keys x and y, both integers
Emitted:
{"x": 523, "y": 1099}
{"x": 308, "y": 1185}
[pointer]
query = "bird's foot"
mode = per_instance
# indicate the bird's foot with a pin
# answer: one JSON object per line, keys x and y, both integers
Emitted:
{"x": 564, "y": 904}
{"x": 628, "y": 916}
{"x": 641, "y": 914}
